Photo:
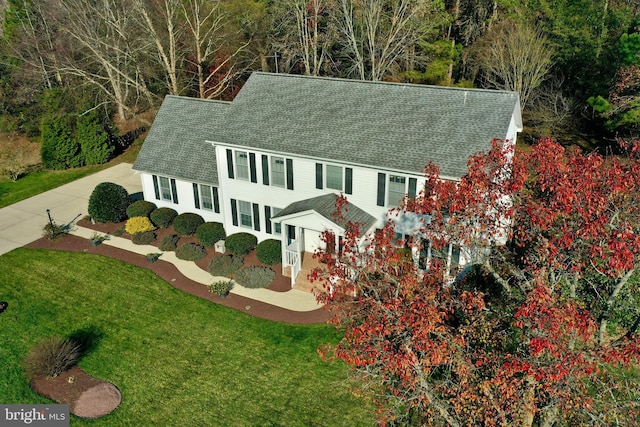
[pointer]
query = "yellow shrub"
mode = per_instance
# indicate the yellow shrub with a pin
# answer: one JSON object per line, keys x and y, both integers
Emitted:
{"x": 138, "y": 224}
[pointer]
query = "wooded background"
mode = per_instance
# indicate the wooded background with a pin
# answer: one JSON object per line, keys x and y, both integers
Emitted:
{"x": 576, "y": 63}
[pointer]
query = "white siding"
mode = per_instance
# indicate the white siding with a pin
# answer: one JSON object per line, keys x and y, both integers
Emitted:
{"x": 186, "y": 202}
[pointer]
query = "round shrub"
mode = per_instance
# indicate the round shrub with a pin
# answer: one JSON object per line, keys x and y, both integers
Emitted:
{"x": 210, "y": 232}
{"x": 163, "y": 217}
{"x": 191, "y": 252}
{"x": 138, "y": 224}
{"x": 140, "y": 208}
{"x": 145, "y": 238}
{"x": 241, "y": 243}
{"x": 108, "y": 202}
{"x": 224, "y": 265}
{"x": 254, "y": 276}
{"x": 269, "y": 251}
{"x": 187, "y": 223}
{"x": 169, "y": 243}
{"x": 51, "y": 357}
{"x": 221, "y": 287}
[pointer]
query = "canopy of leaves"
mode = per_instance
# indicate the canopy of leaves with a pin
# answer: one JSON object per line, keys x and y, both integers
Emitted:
{"x": 540, "y": 328}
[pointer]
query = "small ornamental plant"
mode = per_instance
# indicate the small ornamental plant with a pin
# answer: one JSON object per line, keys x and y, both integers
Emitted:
{"x": 191, "y": 252}
{"x": 138, "y": 224}
{"x": 187, "y": 223}
{"x": 97, "y": 238}
{"x": 254, "y": 276}
{"x": 169, "y": 243}
{"x": 269, "y": 251}
{"x": 51, "y": 357}
{"x": 145, "y": 238}
{"x": 140, "y": 208}
{"x": 241, "y": 243}
{"x": 224, "y": 265}
{"x": 221, "y": 287}
{"x": 163, "y": 217}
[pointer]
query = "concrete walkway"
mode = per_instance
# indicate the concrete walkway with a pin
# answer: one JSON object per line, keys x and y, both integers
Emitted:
{"x": 22, "y": 223}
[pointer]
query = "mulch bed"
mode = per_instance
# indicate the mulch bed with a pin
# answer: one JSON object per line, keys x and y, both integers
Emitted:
{"x": 87, "y": 397}
{"x": 172, "y": 275}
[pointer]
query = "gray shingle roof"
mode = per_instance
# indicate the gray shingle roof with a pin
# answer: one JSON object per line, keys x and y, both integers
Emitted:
{"x": 326, "y": 206}
{"x": 386, "y": 125}
{"x": 176, "y": 145}
{"x": 390, "y": 126}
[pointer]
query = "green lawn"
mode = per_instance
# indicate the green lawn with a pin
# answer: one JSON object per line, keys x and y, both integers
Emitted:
{"x": 178, "y": 360}
{"x": 39, "y": 182}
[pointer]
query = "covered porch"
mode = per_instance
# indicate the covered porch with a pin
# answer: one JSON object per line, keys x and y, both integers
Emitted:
{"x": 302, "y": 225}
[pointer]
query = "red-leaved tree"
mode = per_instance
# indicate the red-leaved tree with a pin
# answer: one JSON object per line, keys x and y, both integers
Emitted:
{"x": 541, "y": 326}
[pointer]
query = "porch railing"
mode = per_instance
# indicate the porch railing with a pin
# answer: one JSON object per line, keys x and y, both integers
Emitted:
{"x": 293, "y": 259}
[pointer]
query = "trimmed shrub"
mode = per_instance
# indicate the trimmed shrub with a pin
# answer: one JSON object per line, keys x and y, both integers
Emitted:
{"x": 138, "y": 224}
{"x": 59, "y": 148}
{"x": 241, "y": 243}
{"x": 51, "y": 357}
{"x": 163, "y": 217}
{"x": 187, "y": 223}
{"x": 96, "y": 145}
{"x": 140, "y": 208}
{"x": 109, "y": 202}
{"x": 145, "y": 238}
{"x": 53, "y": 231}
{"x": 224, "y": 265}
{"x": 254, "y": 276}
{"x": 169, "y": 243}
{"x": 221, "y": 287}
{"x": 269, "y": 251}
{"x": 210, "y": 232}
{"x": 191, "y": 252}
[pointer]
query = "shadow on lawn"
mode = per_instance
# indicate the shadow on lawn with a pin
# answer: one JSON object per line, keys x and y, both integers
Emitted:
{"x": 87, "y": 338}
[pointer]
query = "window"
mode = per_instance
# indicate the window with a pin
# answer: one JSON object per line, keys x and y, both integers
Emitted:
{"x": 277, "y": 227}
{"x": 396, "y": 189}
{"x": 277, "y": 171}
{"x": 246, "y": 215}
{"x": 334, "y": 177}
{"x": 242, "y": 165}
{"x": 207, "y": 197}
{"x": 165, "y": 188}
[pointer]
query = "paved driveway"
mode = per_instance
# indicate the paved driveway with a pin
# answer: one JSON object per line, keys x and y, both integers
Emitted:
{"x": 22, "y": 223}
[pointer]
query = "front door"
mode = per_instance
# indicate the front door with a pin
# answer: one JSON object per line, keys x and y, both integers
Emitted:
{"x": 291, "y": 234}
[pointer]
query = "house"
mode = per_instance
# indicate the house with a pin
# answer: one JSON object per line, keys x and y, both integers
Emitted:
{"x": 271, "y": 161}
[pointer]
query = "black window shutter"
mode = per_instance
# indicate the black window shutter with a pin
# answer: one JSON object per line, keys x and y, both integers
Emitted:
{"x": 174, "y": 191}
{"x": 156, "y": 188}
{"x": 267, "y": 219}
{"x": 265, "y": 169}
{"x": 256, "y": 217}
{"x": 216, "y": 202}
{"x": 252, "y": 167}
{"x": 348, "y": 181}
{"x": 289, "y": 174}
{"x": 230, "y": 163}
{"x": 382, "y": 179}
{"x": 319, "y": 176}
{"x": 413, "y": 183}
{"x": 196, "y": 196}
{"x": 234, "y": 212}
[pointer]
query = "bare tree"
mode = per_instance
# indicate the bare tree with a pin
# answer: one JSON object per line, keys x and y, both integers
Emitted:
{"x": 211, "y": 57}
{"x": 159, "y": 21}
{"x": 306, "y": 31}
{"x": 377, "y": 33}
{"x": 108, "y": 53}
{"x": 513, "y": 56}
{"x": 32, "y": 41}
